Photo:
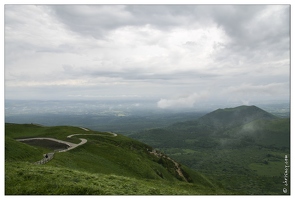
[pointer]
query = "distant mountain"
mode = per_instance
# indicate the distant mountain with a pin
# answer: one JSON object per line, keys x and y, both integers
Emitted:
{"x": 231, "y": 117}
{"x": 227, "y": 118}
{"x": 210, "y": 128}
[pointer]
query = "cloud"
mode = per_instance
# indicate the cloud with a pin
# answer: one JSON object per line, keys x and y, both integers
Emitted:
{"x": 268, "y": 89}
{"x": 257, "y": 33}
{"x": 98, "y": 20}
{"x": 248, "y": 92}
{"x": 182, "y": 102}
{"x": 149, "y": 50}
{"x": 91, "y": 20}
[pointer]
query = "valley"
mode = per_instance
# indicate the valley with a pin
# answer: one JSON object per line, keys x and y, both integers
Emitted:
{"x": 168, "y": 98}
{"x": 237, "y": 150}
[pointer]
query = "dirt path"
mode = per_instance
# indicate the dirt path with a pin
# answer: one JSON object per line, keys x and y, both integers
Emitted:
{"x": 177, "y": 166}
{"x": 85, "y": 129}
{"x": 178, "y": 169}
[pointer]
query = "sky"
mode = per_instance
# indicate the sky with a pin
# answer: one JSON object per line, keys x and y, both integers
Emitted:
{"x": 175, "y": 55}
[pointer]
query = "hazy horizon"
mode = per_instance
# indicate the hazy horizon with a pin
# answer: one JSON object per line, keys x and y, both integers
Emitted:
{"x": 175, "y": 56}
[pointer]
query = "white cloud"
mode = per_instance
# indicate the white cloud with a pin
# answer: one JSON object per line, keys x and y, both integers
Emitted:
{"x": 182, "y": 102}
{"x": 267, "y": 89}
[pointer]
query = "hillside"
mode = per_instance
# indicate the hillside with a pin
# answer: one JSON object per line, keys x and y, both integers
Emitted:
{"x": 106, "y": 164}
{"x": 214, "y": 128}
{"x": 242, "y": 147}
{"x": 232, "y": 117}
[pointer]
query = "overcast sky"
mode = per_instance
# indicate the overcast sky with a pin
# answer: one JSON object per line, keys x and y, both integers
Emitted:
{"x": 178, "y": 55}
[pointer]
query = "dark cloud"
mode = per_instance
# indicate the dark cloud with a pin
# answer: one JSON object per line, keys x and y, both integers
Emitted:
{"x": 93, "y": 20}
{"x": 103, "y": 18}
{"x": 262, "y": 28}
{"x": 258, "y": 31}
{"x": 137, "y": 74}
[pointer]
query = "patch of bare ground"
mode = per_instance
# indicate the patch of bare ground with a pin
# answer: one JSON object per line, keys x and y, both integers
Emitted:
{"x": 176, "y": 165}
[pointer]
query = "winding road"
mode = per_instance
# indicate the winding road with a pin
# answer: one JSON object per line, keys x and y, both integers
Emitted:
{"x": 71, "y": 145}
{"x": 49, "y": 156}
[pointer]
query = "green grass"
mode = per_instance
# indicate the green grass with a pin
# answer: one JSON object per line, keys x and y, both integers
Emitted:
{"x": 28, "y": 179}
{"x": 98, "y": 156}
{"x": 17, "y": 151}
{"x": 31, "y": 130}
{"x": 268, "y": 168}
{"x": 250, "y": 170}
{"x": 104, "y": 165}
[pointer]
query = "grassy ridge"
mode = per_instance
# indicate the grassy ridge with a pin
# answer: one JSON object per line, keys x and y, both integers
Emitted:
{"x": 17, "y": 151}
{"x": 104, "y": 165}
{"x": 21, "y": 178}
{"x": 111, "y": 155}
{"x": 31, "y": 130}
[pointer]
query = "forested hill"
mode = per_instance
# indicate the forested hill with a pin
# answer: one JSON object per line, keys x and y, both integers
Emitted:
{"x": 232, "y": 117}
{"x": 222, "y": 123}
{"x": 244, "y": 148}
{"x": 222, "y": 119}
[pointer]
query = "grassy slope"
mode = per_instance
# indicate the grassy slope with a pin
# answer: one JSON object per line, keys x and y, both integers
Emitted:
{"x": 104, "y": 165}
{"x": 17, "y": 151}
{"x": 25, "y": 178}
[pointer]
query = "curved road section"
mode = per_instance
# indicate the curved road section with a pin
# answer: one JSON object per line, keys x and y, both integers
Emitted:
{"x": 71, "y": 145}
{"x": 49, "y": 156}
